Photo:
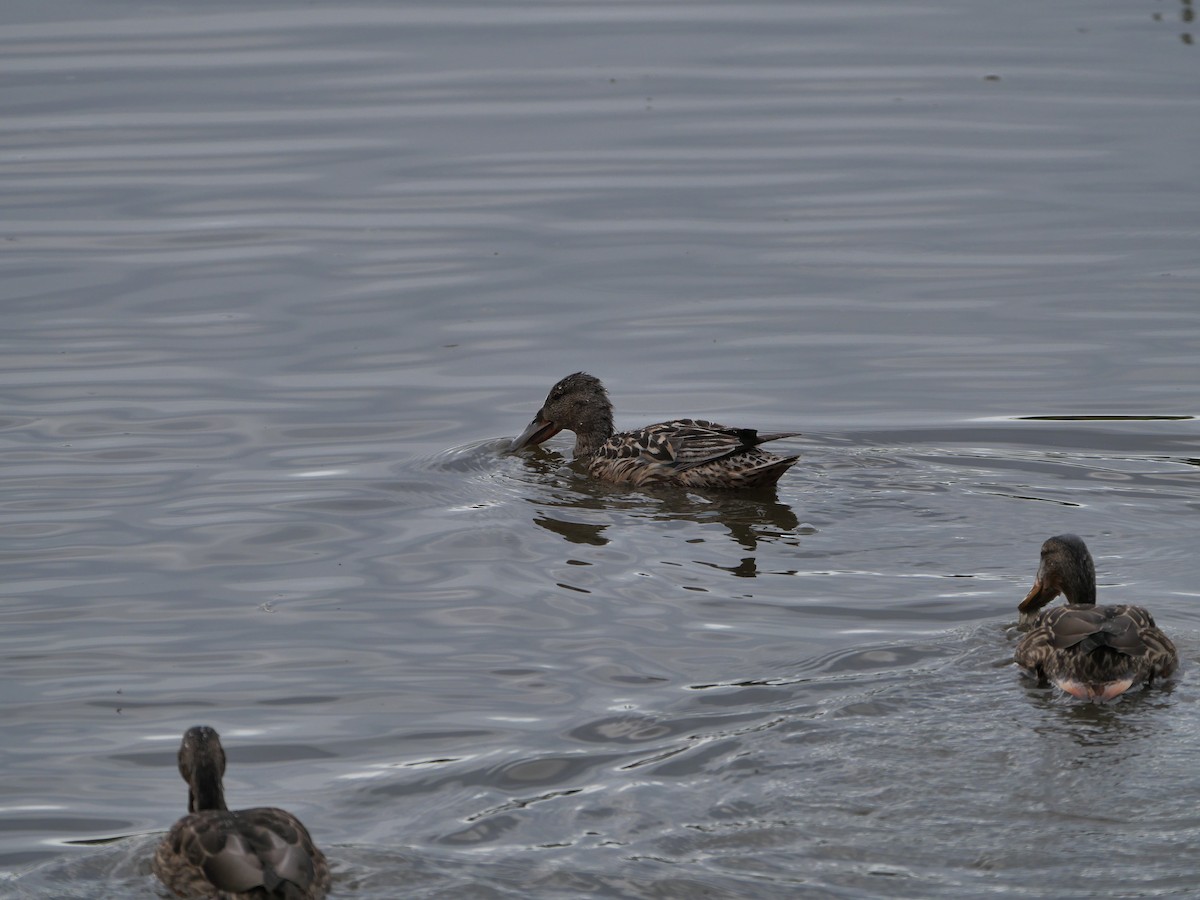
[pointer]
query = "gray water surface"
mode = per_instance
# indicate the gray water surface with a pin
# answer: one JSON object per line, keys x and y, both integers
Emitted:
{"x": 281, "y": 282}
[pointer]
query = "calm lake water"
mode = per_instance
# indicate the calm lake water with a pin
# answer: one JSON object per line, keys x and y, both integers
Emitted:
{"x": 281, "y": 280}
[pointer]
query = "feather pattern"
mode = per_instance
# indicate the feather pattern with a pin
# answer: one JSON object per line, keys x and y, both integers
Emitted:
{"x": 217, "y": 854}
{"x": 689, "y": 452}
{"x": 1092, "y": 652}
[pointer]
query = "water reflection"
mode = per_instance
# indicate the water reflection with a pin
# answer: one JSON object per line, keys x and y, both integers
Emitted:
{"x": 575, "y": 532}
{"x": 748, "y": 517}
{"x": 747, "y": 521}
{"x": 747, "y": 567}
{"x": 252, "y": 300}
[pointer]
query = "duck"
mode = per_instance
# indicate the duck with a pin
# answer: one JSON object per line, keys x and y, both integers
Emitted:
{"x": 688, "y": 452}
{"x": 1092, "y": 652}
{"x": 247, "y": 854}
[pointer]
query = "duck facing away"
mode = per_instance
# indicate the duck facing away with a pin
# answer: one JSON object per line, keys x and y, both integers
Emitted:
{"x": 688, "y": 452}
{"x": 1091, "y": 652}
{"x": 247, "y": 854}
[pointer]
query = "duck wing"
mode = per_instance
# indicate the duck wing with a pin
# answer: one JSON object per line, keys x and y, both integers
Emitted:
{"x": 1096, "y": 652}
{"x": 1120, "y": 628}
{"x": 686, "y": 443}
{"x": 1093, "y": 627}
{"x": 262, "y": 849}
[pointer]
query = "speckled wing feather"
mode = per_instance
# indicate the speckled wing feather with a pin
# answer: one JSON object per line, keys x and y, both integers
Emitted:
{"x": 1094, "y": 627}
{"x": 691, "y": 452}
{"x": 684, "y": 443}
{"x": 254, "y": 853}
{"x": 1096, "y": 644}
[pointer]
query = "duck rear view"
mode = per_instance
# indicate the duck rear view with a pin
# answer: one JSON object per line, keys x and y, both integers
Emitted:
{"x": 249, "y": 854}
{"x": 688, "y": 452}
{"x": 1091, "y": 652}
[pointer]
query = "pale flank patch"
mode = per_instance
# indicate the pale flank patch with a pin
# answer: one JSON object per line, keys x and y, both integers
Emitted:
{"x": 1095, "y": 692}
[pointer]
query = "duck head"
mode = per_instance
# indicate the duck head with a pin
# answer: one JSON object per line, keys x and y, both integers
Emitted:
{"x": 1066, "y": 568}
{"x": 578, "y": 403}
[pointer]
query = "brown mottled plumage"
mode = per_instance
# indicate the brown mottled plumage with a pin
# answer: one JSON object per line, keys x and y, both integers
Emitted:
{"x": 1092, "y": 652}
{"x": 689, "y": 452}
{"x": 248, "y": 854}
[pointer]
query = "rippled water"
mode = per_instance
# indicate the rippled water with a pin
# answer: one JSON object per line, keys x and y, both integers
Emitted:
{"x": 279, "y": 284}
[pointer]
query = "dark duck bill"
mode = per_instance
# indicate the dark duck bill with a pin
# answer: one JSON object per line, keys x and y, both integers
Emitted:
{"x": 539, "y": 430}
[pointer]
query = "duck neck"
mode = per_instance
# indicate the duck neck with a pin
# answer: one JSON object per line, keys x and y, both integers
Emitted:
{"x": 591, "y": 434}
{"x": 588, "y": 444}
{"x": 206, "y": 792}
{"x": 1081, "y": 594}
{"x": 1079, "y": 583}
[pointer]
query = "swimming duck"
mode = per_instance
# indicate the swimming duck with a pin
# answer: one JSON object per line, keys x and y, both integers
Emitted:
{"x": 1091, "y": 652}
{"x": 248, "y": 854}
{"x": 688, "y": 452}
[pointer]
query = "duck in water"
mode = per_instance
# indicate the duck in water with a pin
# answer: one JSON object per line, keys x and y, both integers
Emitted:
{"x": 687, "y": 452}
{"x": 1091, "y": 652}
{"x": 247, "y": 854}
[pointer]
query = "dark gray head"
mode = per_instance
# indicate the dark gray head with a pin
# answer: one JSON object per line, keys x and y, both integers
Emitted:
{"x": 1066, "y": 568}
{"x": 202, "y": 765}
{"x": 578, "y": 403}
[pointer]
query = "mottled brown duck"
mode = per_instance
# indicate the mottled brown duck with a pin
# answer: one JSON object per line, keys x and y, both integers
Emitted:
{"x": 1091, "y": 652}
{"x": 247, "y": 854}
{"x": 688, "y": 452}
